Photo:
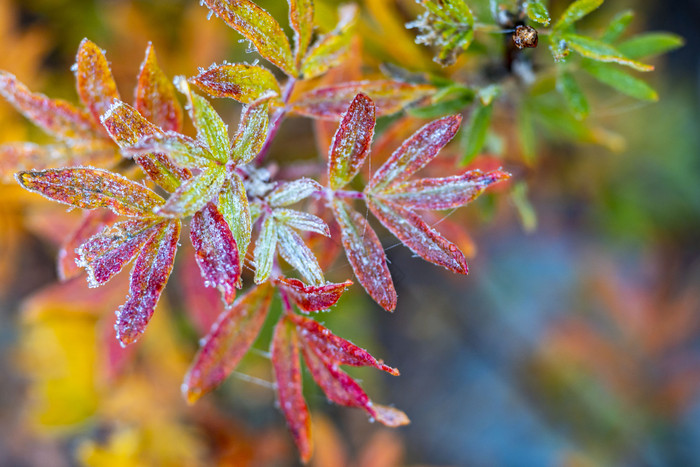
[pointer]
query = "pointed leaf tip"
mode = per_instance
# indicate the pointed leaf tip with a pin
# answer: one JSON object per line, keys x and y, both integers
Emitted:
{"x": 227, "y": 342}
{"x": 351, "y": 142}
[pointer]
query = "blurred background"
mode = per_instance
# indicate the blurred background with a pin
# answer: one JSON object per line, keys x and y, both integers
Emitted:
{"x": 574, "y": 341}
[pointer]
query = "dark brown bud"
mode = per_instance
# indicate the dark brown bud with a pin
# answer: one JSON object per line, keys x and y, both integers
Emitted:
{"x": 525, "y": 36}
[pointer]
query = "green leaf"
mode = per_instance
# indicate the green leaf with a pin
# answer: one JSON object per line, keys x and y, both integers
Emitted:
{"x": 211, "y": 130}
{"x": 233, "y": 204}
{"x": 194, "y": 193}
{"x": 449, "y": 100}
{"x": 331, "y": 50}
{"x": 295, "y": 252}
{"x": 620, "y": 80}
{"x": 602, "y": 52}
{"x": 446, "y": 24}
{"x": 252, "y": 131}
{"x": 474, "y": 135}
{"x": 528, "y": 216}
{"x": 256, "y": 25}
{"x": 575, "y": 99}
{"x": 537, "y": 11}
{"x": 575, "y": 12}
{"x": 617, "y": 26}
{"x": 650, "y": 44}
{"x": 526, "y": 133}
{"x": 265, "y": 248}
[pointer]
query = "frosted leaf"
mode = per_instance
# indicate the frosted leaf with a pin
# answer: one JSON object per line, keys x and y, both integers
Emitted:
{"x": 216, "y": 251}
{"x": 148, "y": 278}
{"x": 301, "y": 221}
{"x": 228, "y": 341}
{"x": 293, "y": 192}
{"x": 365, "y": 254}
{"x": 295, "y": 252}
{"x": 422, "y": 239}
{"x": 265, "y": 248}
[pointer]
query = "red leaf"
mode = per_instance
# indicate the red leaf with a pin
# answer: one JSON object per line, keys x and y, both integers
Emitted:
{"x": 148, "y": 279}
{"x": 333, "y": 349}
{"x": 351, "y": 143}
{"x": 227, "y": 342}
{"x": 106, "y": 253}
{"x": 244, "y": 83}
{"x": 56, "y": 117}
{"x": 443, "y": 193}
{"x": 342, "y": 389}
{"x": 95, "y": 83}
{"x": 365, "y": 254}
{"x": 415, "y": 152}
{"x": 216, "y": 251}
{"x": 309, "y": 297}
{"x": 330, "y": 103}
{"x": 285, "y": 361}
{"x": 422, "y": 239}
{"x": 93, "y": 222}
{"x": 89, "y": 188}
{"x": 155, "y": 95}
{"x": 256, "y": 25}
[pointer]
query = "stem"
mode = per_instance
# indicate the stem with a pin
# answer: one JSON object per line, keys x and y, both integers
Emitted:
{"x": 350, "y": 194}
{"x": 276, "y": 121}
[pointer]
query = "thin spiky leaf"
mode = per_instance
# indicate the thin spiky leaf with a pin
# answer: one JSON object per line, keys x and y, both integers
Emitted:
{"x": 265, "y": 248}
{"x": 415, "y": 152}
{"x": 216, "y": 252}
{"x": 537, "y": 11}
{"x": 155, "y": 95}
{"x": 330, "y": 103}
{"x": 620, "y": 80}
{"x": 261, "y": 29}
{"x": 292, "y": 192}
{"x": 211, "y": 130}
{"x": 422, "y": 239}
{"x": 56, "y": 117}
{"x": 252, "y": 132}
{"x": 310, "y": 298}
{"x": 295, "y": 252}
{"x": 89, "y": 188}
{"x": 242, "y": 82}
{"x": 575, "y": 12}
{"x": 650, "y": 44}
{"x": 93, "y": 223}
{"x": 573, "y": 94}
{"x": 601, "y": 51}
{"x": 331, "y": 50}
{"x": 106, "y": 253}
{"x": 334, "y": 349}
{"x": 365, "y": 254}
{"x": 301, "y": 19}
{"x": 617, "y": 26}
{"x": 342, "y": 389}
{"x": 148, "y": 278}
{"x": 443, "y": 193}
{"x": 194, "y": 193}
{"x": 96, "y": 86}
{"x": 233, "y": 205}
{"x": 288, "y": 379}
{"x": 301, "y": 221}
{"x": 228, "y": 341}
{"x": 351, "y": 142}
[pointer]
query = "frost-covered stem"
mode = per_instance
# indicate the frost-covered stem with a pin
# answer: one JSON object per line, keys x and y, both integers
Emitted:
{"x": 349, "y": 194}
{"x": 276, "y": 121}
